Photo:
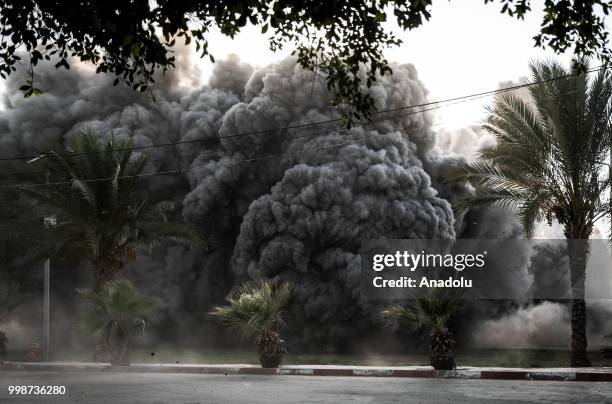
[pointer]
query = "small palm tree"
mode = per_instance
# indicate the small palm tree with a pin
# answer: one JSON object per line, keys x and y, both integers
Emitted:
{"x": 99, "y": 208}
{"x": 118, "y": 312}
{"x": 550, "y": 162}
{"x": 430, "y": 313}
{"x": 255, "y": 310}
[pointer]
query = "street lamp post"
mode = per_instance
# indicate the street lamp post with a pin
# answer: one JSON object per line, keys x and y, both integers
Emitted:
{"x": 49, "y": 221}
{"x": 46, "y": 307}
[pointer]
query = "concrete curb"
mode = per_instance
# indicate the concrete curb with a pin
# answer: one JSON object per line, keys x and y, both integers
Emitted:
{"x": 588, "y": 375}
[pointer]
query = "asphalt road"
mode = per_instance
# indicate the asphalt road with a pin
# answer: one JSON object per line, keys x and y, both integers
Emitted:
{"x": 116, "y": 388}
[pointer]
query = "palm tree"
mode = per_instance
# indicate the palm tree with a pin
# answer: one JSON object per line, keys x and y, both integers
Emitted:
{"x": 255, "y": 310}
{"x": 550, "y": 163}
{"x": 118, "y": 312}
{"x": 430, "y": 313}
{"x": 98, "y": 205}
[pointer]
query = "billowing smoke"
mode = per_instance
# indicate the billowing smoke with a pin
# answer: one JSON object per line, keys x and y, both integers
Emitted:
{"x": 329, "y": 187}
{"x": 464, "y": 142}
{"x": 550, "y": 270}
{"x": 77, "y": 100}
{"x": 309, "y": 228}
{"x": 276, "y": 199}
{"x": 544, "y": 325}
{"x": 304, "y": 214}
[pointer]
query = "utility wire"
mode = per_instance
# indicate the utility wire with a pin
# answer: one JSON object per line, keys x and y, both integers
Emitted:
{"x": 212, "y": 152}
{"x": 363, "y": 123}
{"x": 465, "y": 98}
{"x": 319, "y": 133}
{"x": 206, "y": 152}
{"x": 325, "y": 132}
{"x": 272, "y": 156}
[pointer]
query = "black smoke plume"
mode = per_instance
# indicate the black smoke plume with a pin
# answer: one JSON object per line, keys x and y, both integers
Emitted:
{"x": 276, "y": 197}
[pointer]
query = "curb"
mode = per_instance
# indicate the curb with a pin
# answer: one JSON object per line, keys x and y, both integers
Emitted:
{"x": 504, "y": 375}
{"x": 542, "y": 375}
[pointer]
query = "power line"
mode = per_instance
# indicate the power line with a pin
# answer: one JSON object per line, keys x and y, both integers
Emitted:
{"x": 325, "y": 132}
{"x": 482, "y": 95}
{"x": 363, "y": 123}
{"x": 465, "y": 98}
{"x": 212, "y": 152}
{"x": 272, "y": 156}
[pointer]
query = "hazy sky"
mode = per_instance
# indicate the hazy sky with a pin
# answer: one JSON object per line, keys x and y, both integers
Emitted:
{"x": 465, "y": 48}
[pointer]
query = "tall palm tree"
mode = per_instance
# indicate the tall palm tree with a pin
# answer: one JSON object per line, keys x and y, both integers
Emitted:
{"x": 98, "y": 205}
{"x": 431, "y": 313}
{"x": 255, "y": 310}
{"x": 118, "y": 312}
{"x": 549, "y": 162}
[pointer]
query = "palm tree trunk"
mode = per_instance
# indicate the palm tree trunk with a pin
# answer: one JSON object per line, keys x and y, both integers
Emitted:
{"x": 578, "y": 249}
{"x": 102, "y": 274}
{"x": 98, "y": 281}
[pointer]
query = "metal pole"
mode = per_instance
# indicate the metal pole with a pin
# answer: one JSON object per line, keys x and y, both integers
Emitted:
{"x": 47, "y": 221}
{"x": 46, "y": 309}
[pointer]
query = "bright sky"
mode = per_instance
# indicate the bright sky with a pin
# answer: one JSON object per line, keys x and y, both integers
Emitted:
{"x": 465, "y": 48}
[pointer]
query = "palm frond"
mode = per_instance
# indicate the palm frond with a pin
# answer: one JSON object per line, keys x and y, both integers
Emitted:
{"x": 547, "y": 161}
{"x": 100, "y": 203}
{"x": 118, "y": 304}
{"x": 432, "y": 311}
{"x": 255, "y": 307}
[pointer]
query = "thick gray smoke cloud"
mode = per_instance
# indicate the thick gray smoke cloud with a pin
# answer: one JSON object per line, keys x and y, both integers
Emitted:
{"x": 335, "y": 187}
{"x": 288, "y": 204}
{"x": 78, "y": 99}
{"x": 308, "y": 229}
{"x": 543, "y": 325}
{"x": 305, "y": 213}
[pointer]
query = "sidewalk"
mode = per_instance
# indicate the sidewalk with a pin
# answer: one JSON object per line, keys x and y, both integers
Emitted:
{"x": 560, "y": 374}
